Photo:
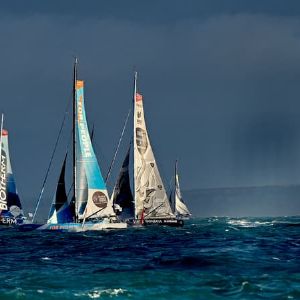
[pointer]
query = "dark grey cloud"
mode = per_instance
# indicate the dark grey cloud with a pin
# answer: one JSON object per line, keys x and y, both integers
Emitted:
{"x": 156, "y": 11}
{"x": 220, "y": 85}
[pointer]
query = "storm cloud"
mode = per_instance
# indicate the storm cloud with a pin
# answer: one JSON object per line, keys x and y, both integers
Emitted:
{"x": 220, "y": 83}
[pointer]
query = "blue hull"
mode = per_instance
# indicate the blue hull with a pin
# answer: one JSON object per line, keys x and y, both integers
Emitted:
{"x": 28, "y": 227}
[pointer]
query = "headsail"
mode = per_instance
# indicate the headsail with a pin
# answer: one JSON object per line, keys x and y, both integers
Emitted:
{"x": 60, "y": 211}
{"x": 10, "y": 204}
{"x": 90, "y": 190}
{"x": 150, "y": 194}
{"x": 180, "y": 207}
{"x": 122, "y": 195}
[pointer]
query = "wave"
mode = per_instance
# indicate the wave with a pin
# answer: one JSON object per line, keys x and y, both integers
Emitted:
{"x": 248, "y": 223}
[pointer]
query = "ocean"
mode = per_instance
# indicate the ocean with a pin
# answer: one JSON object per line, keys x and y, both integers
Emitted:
{"x": 209, "y": 258}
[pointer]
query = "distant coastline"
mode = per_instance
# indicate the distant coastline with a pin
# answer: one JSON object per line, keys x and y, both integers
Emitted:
{"x": 256, "y": 201}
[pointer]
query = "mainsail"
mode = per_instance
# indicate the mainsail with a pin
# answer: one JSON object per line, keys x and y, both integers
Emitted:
{"x": 151, "y": 199}
{"x": 181, "y": 209}
{"x": 122, "y": 195}
{"x": 91, "y": 194}
{"x": 60, "y": 211}
{"x": 10, "y": 205}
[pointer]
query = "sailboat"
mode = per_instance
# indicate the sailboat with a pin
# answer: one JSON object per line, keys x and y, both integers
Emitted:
{"x": 11, "y": 212}
{"x": 90, "y": 207}
{"x": 150, "y": 202}
{"x": 178, "y": 205}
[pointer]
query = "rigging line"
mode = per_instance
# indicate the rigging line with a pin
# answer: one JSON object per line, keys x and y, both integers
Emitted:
{"x": 67, "y": 151}
{"x": 171, "y": 184}
{"x": 51, "y": 160}
{"x": 85, "y": 218}
{"x": 117, "y": 148}
{"x": 154, "y": 209}
{"x": 70, "y": 190}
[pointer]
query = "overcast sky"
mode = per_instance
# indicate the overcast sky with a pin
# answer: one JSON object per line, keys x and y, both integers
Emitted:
{"x": 220, "y": 81}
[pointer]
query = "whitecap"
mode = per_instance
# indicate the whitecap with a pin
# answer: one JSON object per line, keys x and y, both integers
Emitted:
{"x": 46, "y": 258}
{"x": 248, "y": 224}
{"x": 109, "y": 292}
{"x": 275, "y": 258}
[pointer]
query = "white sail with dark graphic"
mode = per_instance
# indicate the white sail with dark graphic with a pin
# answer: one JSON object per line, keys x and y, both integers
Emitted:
{"x": 10, "y": 205}
{"x": 151, "y": 204}
{"x": 150, "y": 197}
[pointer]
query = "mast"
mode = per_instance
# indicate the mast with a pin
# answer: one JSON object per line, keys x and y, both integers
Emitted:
{"x": 74, "y": 136}
{"x": 134, "y": 138}
{"x": 175, "y": 187}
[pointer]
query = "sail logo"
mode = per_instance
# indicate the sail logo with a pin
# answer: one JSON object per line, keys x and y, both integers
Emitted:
{"x": 7, "y": 221}
{"x": 139, "y": 114}
{"x": 83, "y": 132}
{"x": 3, "y": 195}
{"x": 99, "y": 199}
{"x": 141, "y": 140}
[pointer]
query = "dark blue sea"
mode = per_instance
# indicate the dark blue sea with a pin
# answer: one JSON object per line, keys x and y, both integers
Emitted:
{"x": 211, "y": 258}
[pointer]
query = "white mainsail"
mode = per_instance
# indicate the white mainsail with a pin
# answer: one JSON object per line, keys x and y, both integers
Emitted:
{"x": 150, "y": 196}
{"x": 180, "y": 207}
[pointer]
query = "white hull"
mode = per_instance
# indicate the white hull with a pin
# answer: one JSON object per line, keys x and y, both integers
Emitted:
{"x": 79, "y": 227}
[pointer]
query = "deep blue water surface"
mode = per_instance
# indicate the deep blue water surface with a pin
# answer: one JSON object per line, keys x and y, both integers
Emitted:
{"x": 213, "y": 258}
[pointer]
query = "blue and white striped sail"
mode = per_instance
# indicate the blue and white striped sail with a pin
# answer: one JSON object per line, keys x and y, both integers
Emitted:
{"x": 10, "y": 204}
{"x": 91, "y": 194}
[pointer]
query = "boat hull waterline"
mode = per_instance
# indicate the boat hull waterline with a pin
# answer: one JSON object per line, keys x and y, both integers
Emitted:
{"x": 165, "y": 222}
{"x": 79, "y": 227}
{"x": 9, "y": 221}
{"x": 160, "y": 222}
